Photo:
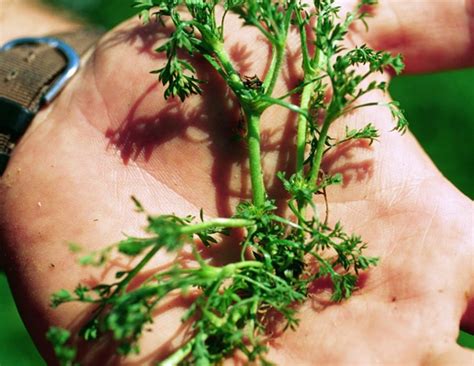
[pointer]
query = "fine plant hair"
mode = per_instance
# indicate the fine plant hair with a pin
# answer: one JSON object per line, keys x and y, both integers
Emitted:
{"x": 281, "y": 255}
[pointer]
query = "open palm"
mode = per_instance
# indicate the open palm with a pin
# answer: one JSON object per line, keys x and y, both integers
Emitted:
{"x": 111, "y": 135}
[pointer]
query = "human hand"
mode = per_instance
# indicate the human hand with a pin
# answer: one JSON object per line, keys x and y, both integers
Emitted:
{"x": 68, "y": 181}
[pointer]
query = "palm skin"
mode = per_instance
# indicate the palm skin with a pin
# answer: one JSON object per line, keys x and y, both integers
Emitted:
{"x": 110, "y": 135}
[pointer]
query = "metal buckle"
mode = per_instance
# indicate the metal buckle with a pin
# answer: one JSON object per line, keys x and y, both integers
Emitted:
{"x": 73, "y": 61}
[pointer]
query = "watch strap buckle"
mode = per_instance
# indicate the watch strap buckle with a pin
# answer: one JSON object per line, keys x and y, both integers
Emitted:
{"x": 72, "y": 61}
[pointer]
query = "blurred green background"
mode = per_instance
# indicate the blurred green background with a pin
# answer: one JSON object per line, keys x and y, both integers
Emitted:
{"x": 440, "y": 108}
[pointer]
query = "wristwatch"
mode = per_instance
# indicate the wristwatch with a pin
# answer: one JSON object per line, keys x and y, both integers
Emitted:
{"x": 32, "y": 73}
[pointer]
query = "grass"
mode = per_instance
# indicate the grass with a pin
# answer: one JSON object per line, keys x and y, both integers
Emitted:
{"x": 439, "y": 107}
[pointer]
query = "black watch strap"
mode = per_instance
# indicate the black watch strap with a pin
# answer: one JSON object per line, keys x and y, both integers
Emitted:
{"x": 32, "y": 72}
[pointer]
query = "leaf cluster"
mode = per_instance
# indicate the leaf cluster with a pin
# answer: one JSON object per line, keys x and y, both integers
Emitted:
{"x": 232, "y": 303}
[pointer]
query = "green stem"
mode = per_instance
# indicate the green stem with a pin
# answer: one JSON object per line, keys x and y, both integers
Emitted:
{"x": 275, "y": 68}
{"x": 279, "y": 44}
{"x": 246, "y": 243}
{"x": 312, "y": 70}
{"x": 179, "y": 355}
{"x": 253, "y": 126}
{"x": 220, "y": 222}
{"x": 233, "y": 267}
{"x": 352, "y": 109}
{"x": 256, "y": 173}
{"x": 302, "y": 129}
{"x": 301, "y": 87}
{"x": 262, "y": 29}
{"x": 267, "y": 101}
{"x": 190, "y": 229}
{"x": 232, "y": 76}
{"x": 123, "y": 284}
{"x": 320, "y": 148}
{"x": 304, "y": 46}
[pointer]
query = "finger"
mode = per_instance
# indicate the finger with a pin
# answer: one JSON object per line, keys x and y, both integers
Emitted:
{"x": 455, "y": 356}
{"x": 432, "y": 35}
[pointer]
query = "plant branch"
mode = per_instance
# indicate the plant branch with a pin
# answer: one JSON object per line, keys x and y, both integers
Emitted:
{"x": 216, "y": 223}
{"x": 275, "y": 68}
{"x": 177, "y": 357}
{"x": 256, "y": 172}
{"x": 318, "y": 156}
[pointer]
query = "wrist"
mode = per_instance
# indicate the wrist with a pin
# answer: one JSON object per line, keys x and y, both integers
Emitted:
{"x": 20, "y": 18}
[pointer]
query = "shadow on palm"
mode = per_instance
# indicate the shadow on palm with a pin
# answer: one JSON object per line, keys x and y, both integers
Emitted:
{"x": 213, "y": 123}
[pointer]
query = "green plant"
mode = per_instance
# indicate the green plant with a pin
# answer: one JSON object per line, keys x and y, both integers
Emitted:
{"x": 280, "y": 256}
